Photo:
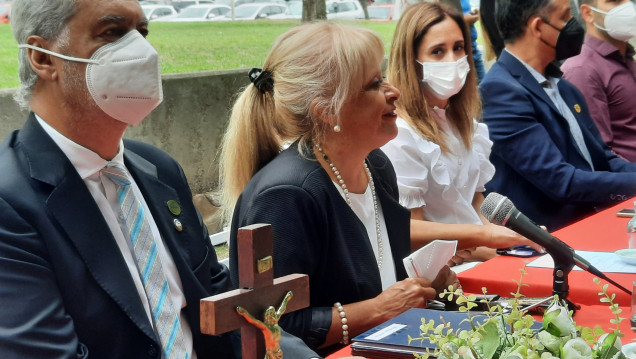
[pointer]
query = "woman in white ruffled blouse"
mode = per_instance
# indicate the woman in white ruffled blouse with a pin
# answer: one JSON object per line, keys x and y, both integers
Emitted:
{"x": 441, "y": 152}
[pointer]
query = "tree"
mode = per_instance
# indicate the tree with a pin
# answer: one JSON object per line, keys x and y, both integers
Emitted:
{"x": 364, "y": 5}
{"x": 314, "y": 10}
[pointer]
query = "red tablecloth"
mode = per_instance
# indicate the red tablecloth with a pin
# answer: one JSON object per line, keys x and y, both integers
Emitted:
{"x": 603, "y": 231}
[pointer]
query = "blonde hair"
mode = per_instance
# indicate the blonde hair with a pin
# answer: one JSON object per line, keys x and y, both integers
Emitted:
{"x": 405, "y": 73}
{"x": 316, "y": 69}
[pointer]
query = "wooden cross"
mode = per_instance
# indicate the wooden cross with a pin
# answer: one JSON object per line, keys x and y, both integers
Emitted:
{"x": 257, "y": 290}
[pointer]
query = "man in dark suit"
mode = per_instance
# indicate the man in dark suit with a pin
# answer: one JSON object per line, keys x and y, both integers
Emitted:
{"x": 549, "y": 156}
{"x": 94, "y": 265}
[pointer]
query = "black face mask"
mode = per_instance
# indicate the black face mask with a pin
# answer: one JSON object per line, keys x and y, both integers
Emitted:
{"x": 570, "y": 40}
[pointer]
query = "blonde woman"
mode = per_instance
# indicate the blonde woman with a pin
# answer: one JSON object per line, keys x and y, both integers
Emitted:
{"x": 441, "y": 152}
{"x": 331, "y": 197}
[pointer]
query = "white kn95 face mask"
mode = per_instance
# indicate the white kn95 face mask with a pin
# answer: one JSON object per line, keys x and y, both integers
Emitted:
{"x": 123, "y": 77}
{"x": 445, "y": 79}
{"x": 620, "y": 22}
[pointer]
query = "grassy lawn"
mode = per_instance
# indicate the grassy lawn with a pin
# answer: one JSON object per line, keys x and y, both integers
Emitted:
{"x": 189, "y": 47}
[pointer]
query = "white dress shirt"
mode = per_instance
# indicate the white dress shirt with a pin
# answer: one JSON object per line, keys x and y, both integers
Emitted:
{"x": 88, "y": 165}
{"x": 362, "y": 206}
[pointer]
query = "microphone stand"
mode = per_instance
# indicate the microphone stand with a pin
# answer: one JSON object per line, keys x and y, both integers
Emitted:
{"x": 560, "y": 287}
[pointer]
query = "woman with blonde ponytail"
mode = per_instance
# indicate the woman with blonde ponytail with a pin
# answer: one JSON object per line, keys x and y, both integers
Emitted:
{"x": 441, "y": 151}
{"x": 331, "y": 196}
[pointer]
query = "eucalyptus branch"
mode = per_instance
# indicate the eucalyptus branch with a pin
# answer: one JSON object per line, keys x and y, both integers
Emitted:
{"x": 607, "y": 298}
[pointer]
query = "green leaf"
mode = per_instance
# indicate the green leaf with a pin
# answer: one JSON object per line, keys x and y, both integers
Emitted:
{"x": 489, "y": 342}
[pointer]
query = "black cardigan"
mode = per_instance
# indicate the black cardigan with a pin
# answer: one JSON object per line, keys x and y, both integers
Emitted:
{"x": 317, "y": 233}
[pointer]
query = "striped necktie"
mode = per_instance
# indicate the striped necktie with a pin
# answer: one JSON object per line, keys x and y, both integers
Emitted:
{"x": 165, "y": 316}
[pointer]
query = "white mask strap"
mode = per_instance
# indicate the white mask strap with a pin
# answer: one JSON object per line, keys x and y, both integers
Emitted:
{"x": 598, "y": 11}
{"x": 69, "y": 58}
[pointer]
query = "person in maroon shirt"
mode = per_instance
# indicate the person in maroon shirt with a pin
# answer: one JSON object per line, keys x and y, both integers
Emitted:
{"x": 605, "y": 71}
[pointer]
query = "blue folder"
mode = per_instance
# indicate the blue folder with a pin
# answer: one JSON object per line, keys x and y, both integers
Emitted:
{"x": 390, "y": 340}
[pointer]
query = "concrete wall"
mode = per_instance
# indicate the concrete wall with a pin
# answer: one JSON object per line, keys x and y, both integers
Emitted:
{"x": 188, "y": 124}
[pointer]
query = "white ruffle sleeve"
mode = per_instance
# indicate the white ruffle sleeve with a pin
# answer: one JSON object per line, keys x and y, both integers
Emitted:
{"x": 482, "y": 145}
{"x": 416, "y": 162}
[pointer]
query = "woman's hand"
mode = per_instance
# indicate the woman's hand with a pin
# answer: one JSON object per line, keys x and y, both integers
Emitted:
{"x": 409, "y": 293}
{"x": 445, "y": 277}
{"x": 502, "y": 237}
{"x": 479, "y": 254}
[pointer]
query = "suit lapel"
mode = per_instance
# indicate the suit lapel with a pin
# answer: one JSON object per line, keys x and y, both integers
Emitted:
{"x": 82, "y": 221}
{"x": 525, "y": 78}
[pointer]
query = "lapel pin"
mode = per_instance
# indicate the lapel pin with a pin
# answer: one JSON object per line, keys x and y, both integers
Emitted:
{"x": 577, "y": 108}
{"x": 174, "y": 207}
{"x": 178, "y": 225}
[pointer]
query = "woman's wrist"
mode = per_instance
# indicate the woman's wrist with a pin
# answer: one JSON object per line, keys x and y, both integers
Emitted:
{"x": 342, "y": 314}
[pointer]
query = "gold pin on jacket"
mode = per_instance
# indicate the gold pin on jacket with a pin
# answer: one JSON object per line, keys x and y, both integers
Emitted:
{"x": 178, "y": 225}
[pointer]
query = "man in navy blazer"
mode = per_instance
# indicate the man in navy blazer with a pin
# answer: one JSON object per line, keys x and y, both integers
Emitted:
{"x": 550, "y": 159}
{"x": 69, "y": 283}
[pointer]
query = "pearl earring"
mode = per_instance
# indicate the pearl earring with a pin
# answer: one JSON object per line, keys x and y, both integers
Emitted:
{"x": 336, "y": 128}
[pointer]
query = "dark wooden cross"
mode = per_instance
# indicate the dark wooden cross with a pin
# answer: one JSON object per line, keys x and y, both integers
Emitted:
{"x": 257, "y": 290}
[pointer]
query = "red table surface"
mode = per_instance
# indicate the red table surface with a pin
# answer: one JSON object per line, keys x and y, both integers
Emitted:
{"x": 603, "y": 231}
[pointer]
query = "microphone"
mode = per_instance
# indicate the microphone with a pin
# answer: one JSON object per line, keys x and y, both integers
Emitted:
{"x": 498, "y": 209}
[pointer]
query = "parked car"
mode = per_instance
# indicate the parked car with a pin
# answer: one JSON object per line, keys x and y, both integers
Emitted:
{"x": 223, "y": 2}
{"x": 382, "y": 12}
{"x": 294, "y": 11}
{"x": 5, "y": 10}
{"x": 254, "y": 11}
{"x": 241, "y": 2}
{"x": 344, "y": 9}
{"x": 196, "y": 13}
{"x": 157, "y": 12}
{"x": 179, "y": 5}
{"x": 155, "y": 2}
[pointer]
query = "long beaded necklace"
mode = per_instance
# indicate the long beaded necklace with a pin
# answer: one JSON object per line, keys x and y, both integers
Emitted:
{"x": 342, "y": 184}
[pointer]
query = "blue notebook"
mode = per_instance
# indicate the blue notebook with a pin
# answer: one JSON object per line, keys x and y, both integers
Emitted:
{"x": 390, "y": 339}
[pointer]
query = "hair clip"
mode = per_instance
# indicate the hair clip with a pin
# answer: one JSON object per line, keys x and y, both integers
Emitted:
{"x": 262, "y": 80}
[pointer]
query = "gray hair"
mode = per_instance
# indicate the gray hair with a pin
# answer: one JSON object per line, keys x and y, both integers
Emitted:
{"x": 46, "y": 19}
